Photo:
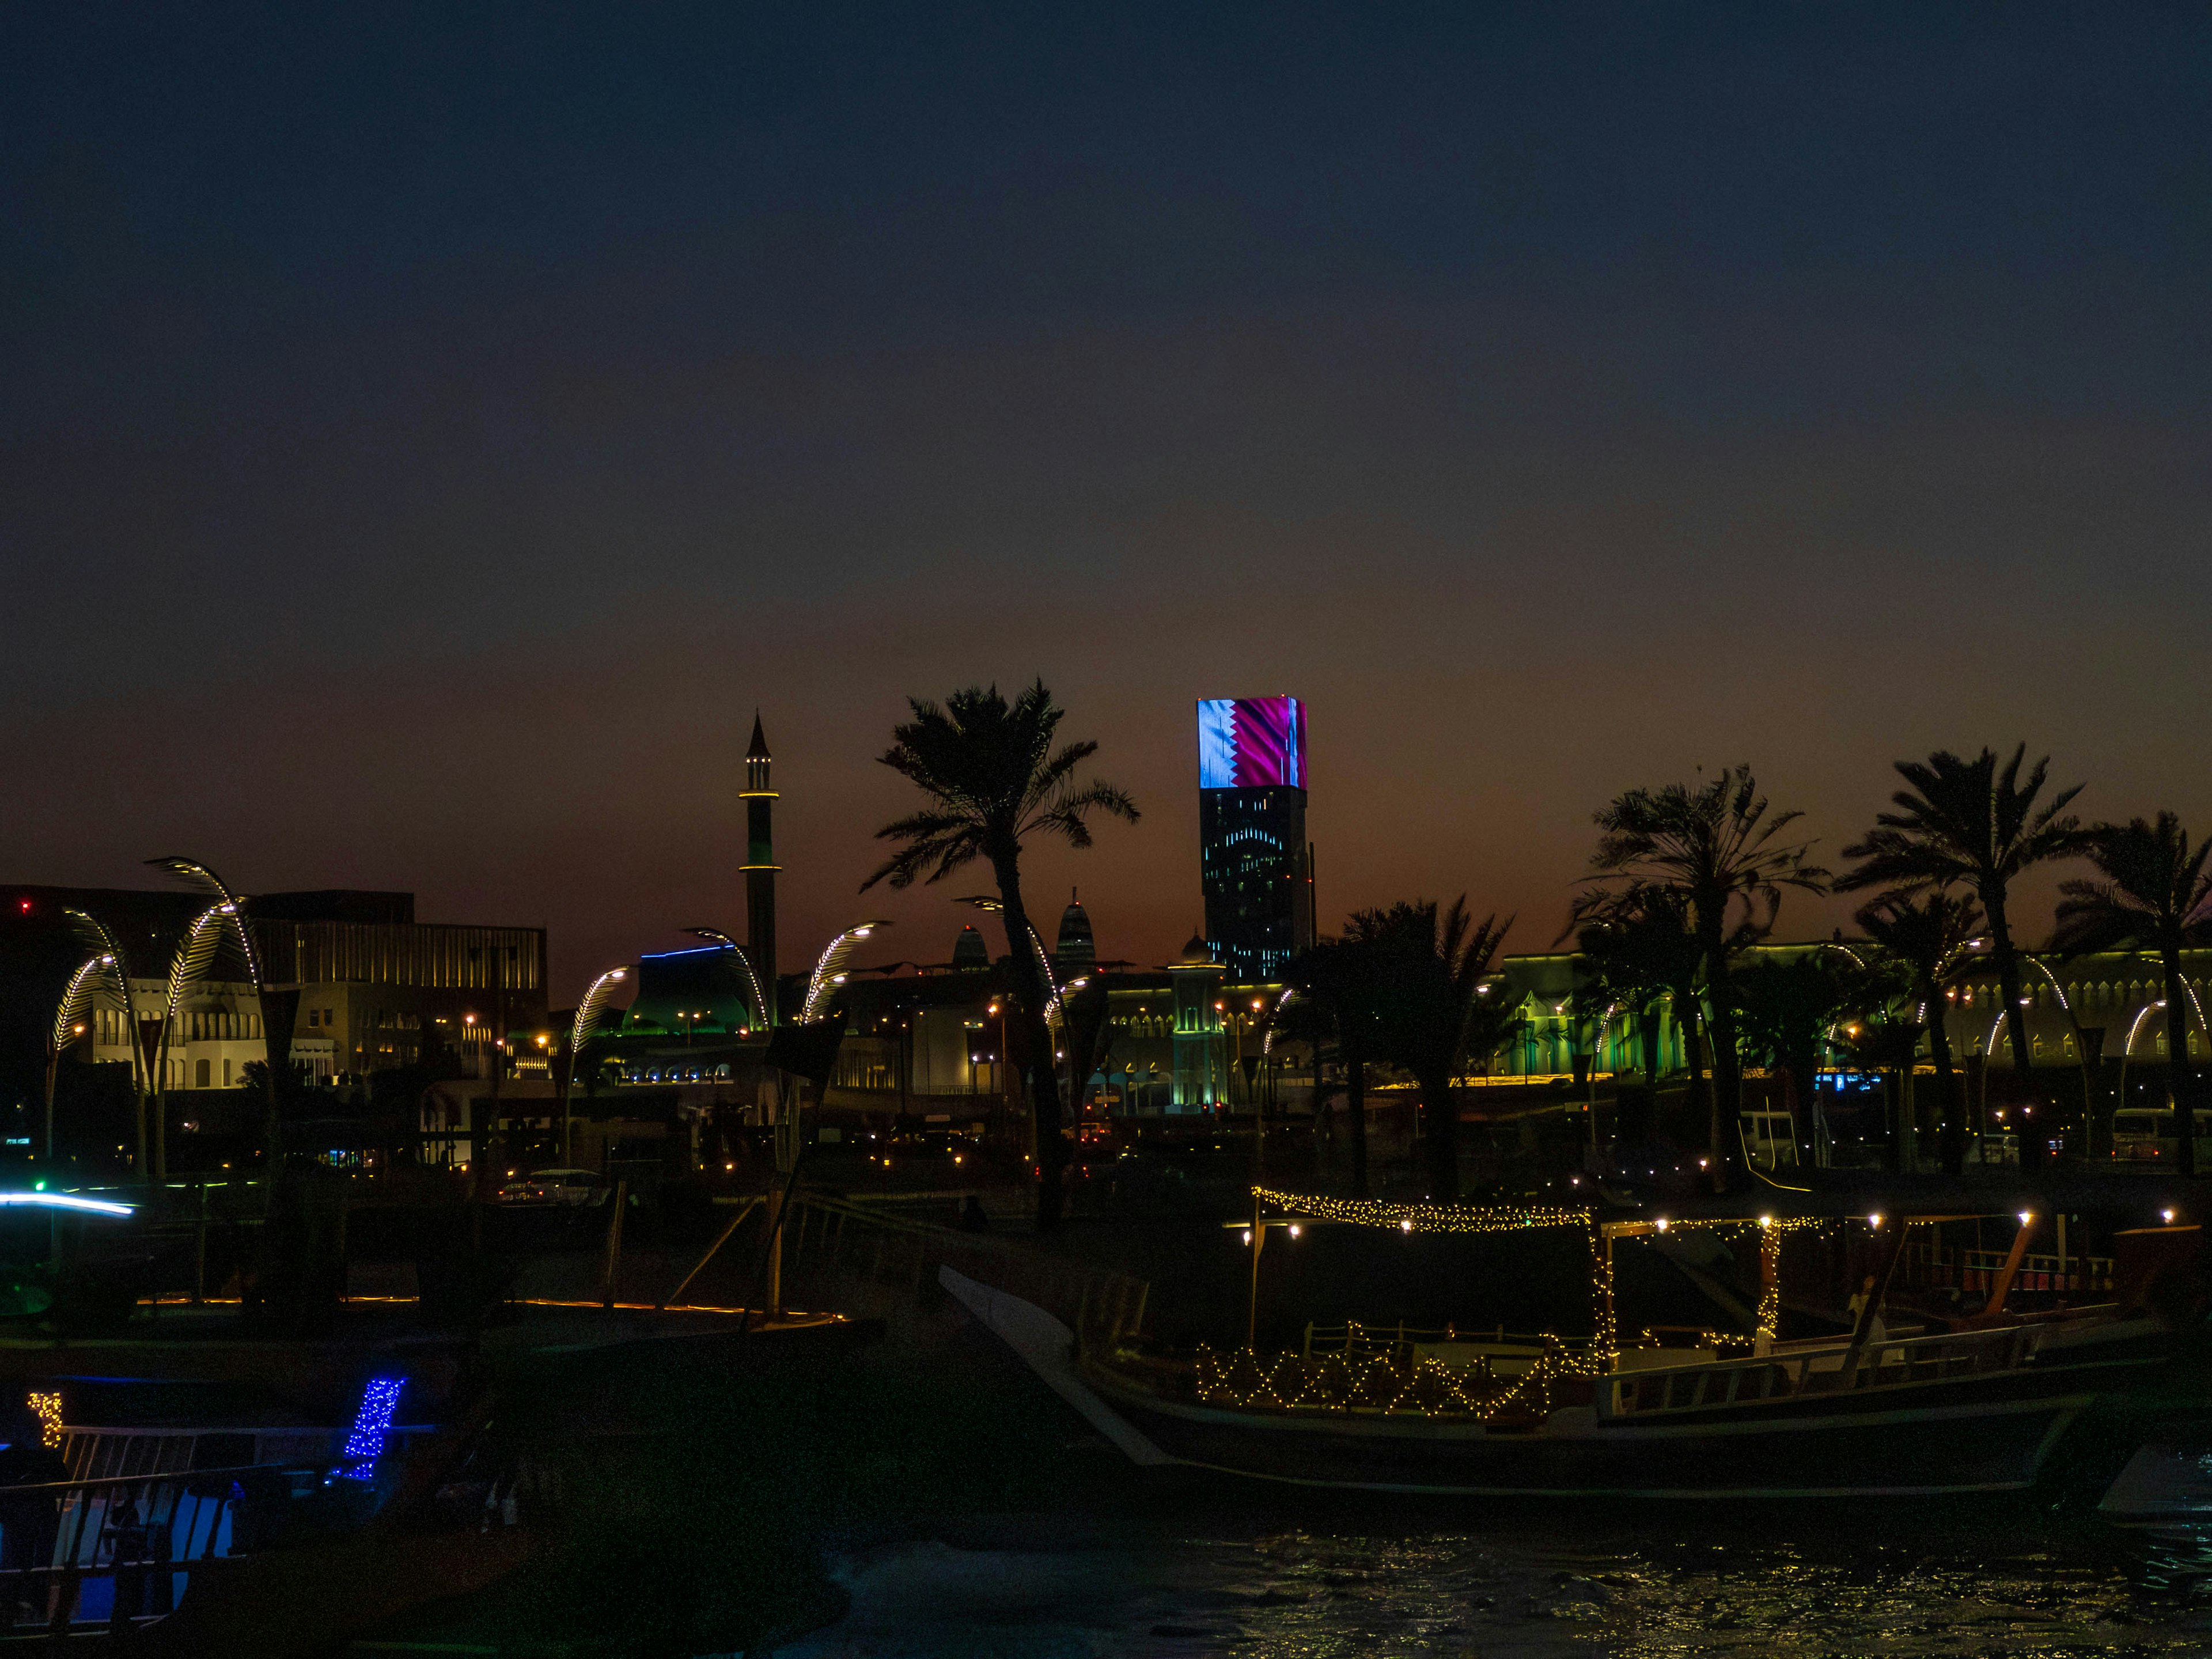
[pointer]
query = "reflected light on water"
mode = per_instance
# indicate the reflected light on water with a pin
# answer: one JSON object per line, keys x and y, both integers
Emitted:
{"x": 1640, "y": 1584}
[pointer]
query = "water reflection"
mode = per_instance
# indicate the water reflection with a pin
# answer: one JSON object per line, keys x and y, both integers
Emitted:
{"x": 1640, "y": 1584}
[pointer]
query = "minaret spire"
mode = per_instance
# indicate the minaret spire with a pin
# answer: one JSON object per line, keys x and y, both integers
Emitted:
{"x": 760, "y": 866}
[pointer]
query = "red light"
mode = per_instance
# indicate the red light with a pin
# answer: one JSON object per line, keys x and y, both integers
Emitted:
{"x": 24, "y": 905}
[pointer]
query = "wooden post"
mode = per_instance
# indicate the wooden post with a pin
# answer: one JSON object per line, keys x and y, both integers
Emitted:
{"x": 1252, "y": 1307}
{"x": 1993, "y": 1310}
{"x": 775, "y": 1253}
{"x": 1872, "y": 1310}
{"x": 614, "y": 1245}
{"x": 199, "y": 1250}
{"x": 721, "y": 1239}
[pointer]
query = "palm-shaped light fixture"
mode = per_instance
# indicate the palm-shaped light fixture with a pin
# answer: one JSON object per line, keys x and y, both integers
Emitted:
{"x": 828, "y": 971}
{"x": 589, "y": 1012}
{"x": 80, "y": 998}
{"x": 105, "y": 949}
{"x": 230, "y": 907}
{"x": 715, "y": 936}
{"x": 992, "y": 907}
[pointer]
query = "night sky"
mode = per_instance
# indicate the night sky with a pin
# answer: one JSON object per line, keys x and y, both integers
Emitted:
{"x": 426, "y": 434}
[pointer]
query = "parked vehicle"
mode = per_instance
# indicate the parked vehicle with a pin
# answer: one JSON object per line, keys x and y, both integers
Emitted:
{"x": 565, "y": 1188}
{"x": 2144, "y": 1132}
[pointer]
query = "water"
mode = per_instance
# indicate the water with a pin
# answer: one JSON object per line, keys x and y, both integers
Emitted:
{"x": 1641, "y": 1585}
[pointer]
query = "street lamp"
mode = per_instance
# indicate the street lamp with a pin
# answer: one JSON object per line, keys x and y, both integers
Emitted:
{"x": 833, "y": 958}
{"x": 588, "y": 1012}
{"x": 715, "y": 936}
{"x": 230, "y": 908}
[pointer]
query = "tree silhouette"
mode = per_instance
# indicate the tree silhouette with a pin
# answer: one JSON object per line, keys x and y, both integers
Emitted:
{"x": 994, "y": 781}
{"x": 2155, "y": 898}
{"x": 1928, "y": 940}
{"x": 1786, "y": 1008}
{"x": 1973, "y": 824}
{"x": 1341, "y": 984}
{"x": 1715, "y": 851}
{"x": 1432, "y": 1011}
{"x": 1641, "y": 957}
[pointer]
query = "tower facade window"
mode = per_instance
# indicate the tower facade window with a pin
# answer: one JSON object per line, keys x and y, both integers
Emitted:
{"x": 1252, "y": 832}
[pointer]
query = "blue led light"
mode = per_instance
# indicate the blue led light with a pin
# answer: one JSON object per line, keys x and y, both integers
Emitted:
{"x": 372, "y": 1425}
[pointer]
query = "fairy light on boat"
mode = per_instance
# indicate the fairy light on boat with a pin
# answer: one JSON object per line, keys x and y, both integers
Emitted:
{"x": 1427, "y": 1388}
{"x": 1875, "y": 1220}
{"x": 2167, "y": 1216}
{"x": 1470, "y": 1218}
{"x": 1423, "y": 1218}
{"x": 47, "y": 1409}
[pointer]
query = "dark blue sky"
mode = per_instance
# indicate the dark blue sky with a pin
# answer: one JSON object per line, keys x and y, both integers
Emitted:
{"x": 426, "y": 433}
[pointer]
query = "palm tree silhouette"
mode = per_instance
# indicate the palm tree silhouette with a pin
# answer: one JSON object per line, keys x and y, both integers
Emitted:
{"x": 994, "y": 781}
{"x": 1433, "y": 1013}
{"x": 1970, "y": 823}
{"x": 1341, "y": 984}
{"x": 1641, "y": 957}
{"x": 1716, "y": 852}
{"x": 2156, "y": 897}
{"x": 1786, "y": 1008}
{"x": 1928, "y": 940}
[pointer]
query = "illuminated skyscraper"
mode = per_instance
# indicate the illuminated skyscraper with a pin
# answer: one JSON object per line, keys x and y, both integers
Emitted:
{"x": 1252, "y": 832}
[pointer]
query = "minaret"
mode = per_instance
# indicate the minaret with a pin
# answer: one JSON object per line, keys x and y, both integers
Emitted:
{"x": 760, "y": 867}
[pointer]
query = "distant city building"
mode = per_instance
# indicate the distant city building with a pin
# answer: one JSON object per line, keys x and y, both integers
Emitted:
{"x": 1255, "y": 863}
{"x": 971, "y": 951}
{"x": 351, "y": 985}
{"x": 1074, "y": 951}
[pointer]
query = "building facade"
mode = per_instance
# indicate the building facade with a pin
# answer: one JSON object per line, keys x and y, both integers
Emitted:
{"x": 350, "y": 984}
{"x": 1254, "y": 863}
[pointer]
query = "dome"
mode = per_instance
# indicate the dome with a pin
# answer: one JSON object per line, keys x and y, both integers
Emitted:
{"x": 970, "y": 951}
{"x": 1075, "y": 948}
{"x": 1196, "y": 954}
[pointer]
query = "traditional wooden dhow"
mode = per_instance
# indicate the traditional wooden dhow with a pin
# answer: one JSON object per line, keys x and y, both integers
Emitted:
{"x": 1865, "y": 1414}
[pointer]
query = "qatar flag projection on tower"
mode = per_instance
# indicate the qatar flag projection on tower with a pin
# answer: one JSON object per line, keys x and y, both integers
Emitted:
{"x": 1251, "y": 743}
{"x": 1252, "y": 855}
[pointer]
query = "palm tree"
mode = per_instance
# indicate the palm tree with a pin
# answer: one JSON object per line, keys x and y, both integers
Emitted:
{"x": 1887, "y": 1040}
{"x": 1717, "y": 852}
{"x": 1970, "y": 823}
{"x": 1640, "y": 958}
{"x": 1340, "y": 983}
{"x": 2156, "y": 897}
{"x": 1434, "y": 1015}
{"x": 994, "y": 781}
{"x": 1927, "y": 939}
{"x": 1786, "y": 1009}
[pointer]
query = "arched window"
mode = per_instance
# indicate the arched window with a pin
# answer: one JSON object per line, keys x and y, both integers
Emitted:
{"x": 199, "y": 1075}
